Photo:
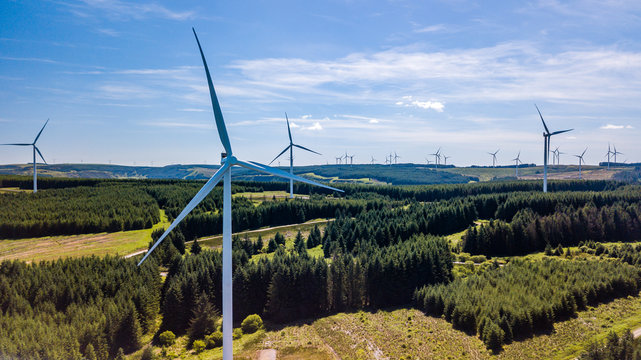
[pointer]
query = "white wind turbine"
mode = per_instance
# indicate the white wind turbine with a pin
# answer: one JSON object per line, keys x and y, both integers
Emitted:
{"x": 373, "y": 161}
{"x": 290, "y": 147}
{"x": 35, "y": 149}
{"x": 445, "y": 162}
{"x": 224, "y": 172}
{"x": 494, "y": 157}
{"x": 546, "y": 146}
{"x": 615, "y": 153}
{"x": 437, "y": 157}
{"x": 517, "y": 160}
{"x": 581, "y": 160}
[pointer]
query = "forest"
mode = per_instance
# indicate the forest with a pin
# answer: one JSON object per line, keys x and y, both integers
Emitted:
{"x": 386, "y": 247}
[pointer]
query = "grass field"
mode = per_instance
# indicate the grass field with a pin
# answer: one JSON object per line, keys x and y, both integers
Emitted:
{"x": 409, "y": 334}
{"x": 54, "y": 247}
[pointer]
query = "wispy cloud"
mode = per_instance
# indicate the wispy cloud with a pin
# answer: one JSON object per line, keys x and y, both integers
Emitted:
{"x": 176, "y": 124}
{"x": 193, "y": 110}
{"x": 616, "y": 127}
{"x": 315, "y": 127}
{"x": 122, "y": 10}
{"x": 431, "y": 28}
{"x": 109, "y": 32}
{"x": 29, "y": 59}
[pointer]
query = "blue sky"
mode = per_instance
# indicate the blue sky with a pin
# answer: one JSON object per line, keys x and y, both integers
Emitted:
{"x": 123, "y": 82}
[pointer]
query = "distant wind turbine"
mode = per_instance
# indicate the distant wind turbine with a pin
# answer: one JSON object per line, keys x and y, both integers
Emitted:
{"x": 608, "y": 155}
{"x": 428, "y": 161}
{"x": 290, "y": 147}
{"x": 35, "y": 149}
{"x": 396, "y": 157}
{"x": 494, "y": 157}
{"x": 615, "y": 153}
{"x": 228, "y": 161}
{"x": 446, "y": 157}
{"x": 437, "y": 157}
{"x": 581, "y": 160}
{"x": 339, "y": 160}
{"x": 517, "y": 160}
{"x": 546, "y": 146}
{"x": 373, "y": 160}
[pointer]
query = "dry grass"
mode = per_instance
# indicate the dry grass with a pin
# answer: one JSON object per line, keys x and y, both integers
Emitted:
{"x": 54, "y": 247}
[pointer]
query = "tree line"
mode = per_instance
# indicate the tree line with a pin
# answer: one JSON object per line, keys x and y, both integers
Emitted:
{"x": 526, "y": 297}
{"x": 567, "y": 226}
{"x": 76, "y": 210}
{"x": 293, "y": 286}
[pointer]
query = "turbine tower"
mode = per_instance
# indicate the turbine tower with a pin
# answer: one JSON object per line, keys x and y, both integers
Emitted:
{"x": 517, "y": 160}
{"x": 446, "y": 157}
{"x": 290, "y": 147}
{"x": 581, "y": 161}
{"x": 373, "y": 161}
{"x": 396, "y": 157}
{"x": 494, "y": 157}
{"x": 608, "y": 155}
{"x": 228, "y": 161}
{"x": 546, "y": 146}
{"x": 339, "y": 160}
{"x": 35, "y": 149}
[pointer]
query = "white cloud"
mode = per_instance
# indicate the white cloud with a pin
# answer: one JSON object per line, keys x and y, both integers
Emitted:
{"x": 316, "y": 126}
{"x": 373, "y": 121}
{"x": 431, "y": 28}
{"x": 306, "y": 116}
{"x": 293, "y": 125}
{"x": 193, "y": 110}
{"x": 616, "y": 127}
{"x": 434, "y": 105}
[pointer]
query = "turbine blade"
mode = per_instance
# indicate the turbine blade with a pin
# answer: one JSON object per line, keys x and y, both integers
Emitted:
{"x": 218, "y": 114}
{"x": 304, "y": 148}
{"x": 560, "y": 132}
{"x": 18, "y": 144}
{"x": 281, "y": 153}
{"x": 202, "y": 193}
{"x": 543, "y": 121}
{"x": 288, "y": 130}
{"x": 586, "y": 149}
{"x": 276, "y": 172}
{"x": 39, "y": 153}
{"x": 43, "y": 127}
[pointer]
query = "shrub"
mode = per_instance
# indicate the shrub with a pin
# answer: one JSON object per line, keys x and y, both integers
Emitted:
{"x": 238, "y": 333}
{"x": 251, "y": 324}
{"x": 167, "y": 338}
{"x": 214, "y": 340}
{"x": 198, "y": 346}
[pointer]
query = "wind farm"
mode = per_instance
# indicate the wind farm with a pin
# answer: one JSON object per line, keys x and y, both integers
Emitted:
{"x": 393, "y": 224}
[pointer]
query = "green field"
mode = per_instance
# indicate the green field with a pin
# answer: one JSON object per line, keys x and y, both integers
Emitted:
{"x": 54, "y": 247}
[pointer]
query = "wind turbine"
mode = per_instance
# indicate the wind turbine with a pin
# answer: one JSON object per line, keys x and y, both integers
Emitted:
{"x": 494, "y": 157}
{"x": 437, "y": 157}
{"x": 35, "y": 149}
{"x": 446, "y": 157}
{"x": 228, "y": 161}
{"x": 373, "y": 160}
{"x": 428, "y": 161}
{"x": 517, "y": 159}
{"x": 608, "y": 155}
{"x": 615, "y": 152}
{"x": 339, "y": 160}
{"x": 290, "y": 147}
{"x": 396, "y": 157}
{"x": 581, "y": 161}
{"x": 546, "y": 146}
{"x": 351, "y": 160}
